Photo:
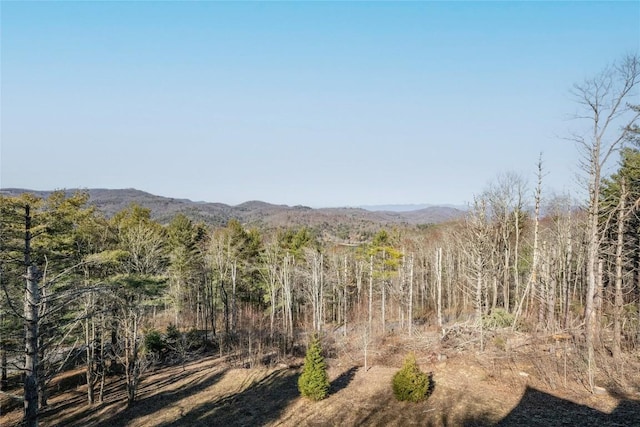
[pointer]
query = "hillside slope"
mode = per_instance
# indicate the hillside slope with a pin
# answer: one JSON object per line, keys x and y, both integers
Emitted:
{"x": 341, "y": 222}
{"x": 470, "y": 390}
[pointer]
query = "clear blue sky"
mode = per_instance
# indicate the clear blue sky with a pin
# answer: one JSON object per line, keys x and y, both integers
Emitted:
{"x": 315, "y": 103}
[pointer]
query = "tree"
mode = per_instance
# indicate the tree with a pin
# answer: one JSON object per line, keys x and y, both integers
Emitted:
{"x": 314, "y": 288}
{"x": 410, "y": 383}
{"x": 233, "y": 255}
{"x": 611, "y": 119}
{"x": 185, "y": 261}
{"x": 270, "y": 270}
{"x": 132, "y": 293}
{"x": 138, "y": 285}
{"x": 476, "y": 245}
{"x": 505, "y": 206}
{"x": 314, "y": 381}
{"x": 384, "y": 264}
{"x": 56, "y": 232}
{"x": 620, "y": 208}
{"x": 12, "y": 271}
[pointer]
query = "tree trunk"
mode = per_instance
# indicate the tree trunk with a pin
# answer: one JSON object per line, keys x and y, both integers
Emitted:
{"x": 32, "y": 298}
{"x": 31, "y": 302}
{"x": 516, "y": 256}
{"x": 567, "y": 282}
{"x": 410, "y": 315}
{"x": 234, "y": 307}
{"x": 618, "y": 300}
{"x": 383, "y": 288}
{"x": 90, "y": 355}
{"x": 370, "y": 292}
{"x": 551, "y": 294}
{"x": 505, "y": 280}
{"x": 4, "y": 384}
{"x": 531, "y": 283}
{"x": 346, "y": 305}
{"x": 439, "y": 285}
{"x": 478, "y": 302}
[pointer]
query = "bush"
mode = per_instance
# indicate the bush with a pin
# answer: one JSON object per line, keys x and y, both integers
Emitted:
{"x": 314, "y": 381}
{"x": 498, "y": 318}
{"x": 409, "y": 383}
{"x": 153, "y": 341}
{"x": 194, "y": 339}
{"x": 173, "y": 334}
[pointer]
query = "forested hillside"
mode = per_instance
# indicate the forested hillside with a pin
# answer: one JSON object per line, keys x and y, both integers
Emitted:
{"x": 118, "y": 290}
{"x": 345, "y": 224}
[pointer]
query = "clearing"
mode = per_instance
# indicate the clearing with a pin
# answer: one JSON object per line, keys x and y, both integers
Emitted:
{"x": 471, "y": 388}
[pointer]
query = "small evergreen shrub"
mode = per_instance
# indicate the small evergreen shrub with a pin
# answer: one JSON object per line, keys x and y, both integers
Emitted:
{"x": 153, "y": 341}
{"x": 498, "y": 318}
{"x": 194, "y": 339}
{"x": 410, "y": 383}
{"x": 173, "y": 334}
{"x": 314, "y": 381}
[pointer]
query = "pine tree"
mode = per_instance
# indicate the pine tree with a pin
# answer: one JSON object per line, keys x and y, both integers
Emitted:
{"x": 314, "y": 381}
{"x": 409, "y": 383}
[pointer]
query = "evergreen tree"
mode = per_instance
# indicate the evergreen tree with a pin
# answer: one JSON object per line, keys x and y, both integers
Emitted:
{"x": 410, "y": 383}
{"x": 314, "y": 381}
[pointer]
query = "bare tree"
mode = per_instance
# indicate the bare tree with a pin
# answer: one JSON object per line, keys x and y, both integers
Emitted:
{"x": 531, "y": 283}
{"x": 287, "y": 278}
{"x": 476, "y": 244}
{"x": 505, "y": 205}
{"x": 315, "y": 287}
{"x": 270, "y": 272}
{"x": 604, "y": 101}
{"x": 618, "y": 303}
{"x": 439, "y": 285}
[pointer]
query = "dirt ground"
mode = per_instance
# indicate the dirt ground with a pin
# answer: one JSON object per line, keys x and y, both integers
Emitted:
{"x": 470, "y": 389}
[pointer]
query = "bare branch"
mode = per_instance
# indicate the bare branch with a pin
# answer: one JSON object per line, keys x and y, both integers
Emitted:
{"x": 13, "y": 396}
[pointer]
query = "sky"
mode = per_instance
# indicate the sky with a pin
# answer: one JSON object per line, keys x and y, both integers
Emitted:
{"x": 312, "y": 103}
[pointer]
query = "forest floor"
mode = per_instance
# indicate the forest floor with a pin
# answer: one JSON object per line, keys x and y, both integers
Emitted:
{"x": 493, "y": 387}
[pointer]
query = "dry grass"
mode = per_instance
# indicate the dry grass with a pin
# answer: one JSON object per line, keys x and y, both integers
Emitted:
{"x": 489, "y": 388}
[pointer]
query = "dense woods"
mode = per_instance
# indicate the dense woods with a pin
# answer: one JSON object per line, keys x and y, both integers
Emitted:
{"x": 118, "y": 294}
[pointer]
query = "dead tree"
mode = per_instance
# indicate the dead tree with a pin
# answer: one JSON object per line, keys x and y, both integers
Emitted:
{"x": 604, "y": 103}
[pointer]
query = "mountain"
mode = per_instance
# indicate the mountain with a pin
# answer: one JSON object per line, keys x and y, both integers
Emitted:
{"x": 407, "y": 207}
{"x": 341, "y": 223}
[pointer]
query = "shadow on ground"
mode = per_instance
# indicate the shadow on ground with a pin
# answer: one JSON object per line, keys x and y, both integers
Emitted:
{"x": 343, "y": 380}
{"x": 264, "y": 401}
{"x": 152, "y": 404}
{"x": 267, "y": 401}
{"x": 537, "y": 408}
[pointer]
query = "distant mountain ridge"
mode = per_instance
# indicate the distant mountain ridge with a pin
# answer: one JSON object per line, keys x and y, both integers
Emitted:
{"x": 335, "y": 221}
{"x": 407, "y": 207}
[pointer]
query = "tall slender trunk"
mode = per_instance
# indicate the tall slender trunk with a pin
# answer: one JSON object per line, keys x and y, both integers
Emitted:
{"x": 567, "y": 282}
{"x": 478, "y": 302}
{"x": 618, "y": 301}
{"x": 4, "y": 384}
{"x": 234, "y": 308}
{"x": 89, "y": 339}
{"x": 593, "y": 251}
{"x": 410, "y": 315}
{"x": 439, "y": 284}
{"x": 370, "y": 292}
{"x": 516, "y": 256}
{"x": 531, "y": 283}
{"x": 505, "y": 280}
{"x": 346, "y": 305}
{"x": 383, "y": 287}
{"x": 31, "y": 305}
{"x": 551, "y": 294}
